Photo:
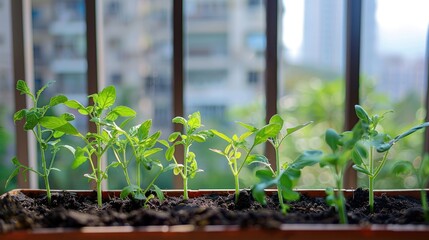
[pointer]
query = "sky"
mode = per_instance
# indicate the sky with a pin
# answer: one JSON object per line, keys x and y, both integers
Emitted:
{"x": 402, "y": 26}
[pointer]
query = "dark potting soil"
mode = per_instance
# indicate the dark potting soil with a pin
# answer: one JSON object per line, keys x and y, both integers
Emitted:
{"x": 74, "y": 211}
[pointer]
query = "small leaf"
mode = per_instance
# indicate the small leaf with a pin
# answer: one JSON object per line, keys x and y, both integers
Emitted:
{"x": 177, "y": 169}
{"x": 169, "y": 154}
{"x": 198, "y": 137}
{"x": 268, "y": 131}
{"x": 128, "y": 190}
{"x": 152, "y": 151}
{"x": 180, "y": 120}
{"x": 194, "y": 121}
{"x": 307, "y": 158}
{"x": 296, "y": 128}
{"x": 276, "y": 119}
{"x": 332, "y": 138}
{"x": 217, "y": 151}
{"x": 55, "y": 169}
{"x": 159, "y": 193}
{"x": 173, "y": 136}
{"x": 362, "y": 114}
{"x": 290, "y": 195}
{"x": 15, "y": 161}
{"x": 403, "y": 168}
{"x": 221, "y": 135}
{"x": 361, "y": 170}
{"x": 106, "y": 97}
{"x": 170, "y": 167}
{"x": 55, "y": 100}
{"x": 264, "y": 175}
{"x": 248, "y": 127}
{"x": 124, "y": 111}
{"x": 80, "y": 158}
{"x": 19, "y": 115}
{"x": 58, "y": 124}
{"x": 12, "y": 175}
{"x": 22, "y": 87}
{"x": 74, "y": 104}
{"x": 257, "y": 158}
{"x": 32, "y": 119}
{"x": 68, "y": 117}
{"x": 70, "y": 148}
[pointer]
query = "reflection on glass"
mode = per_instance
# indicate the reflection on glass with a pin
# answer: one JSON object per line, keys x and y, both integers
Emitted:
{"x": 393, "y": 69}
{"x": 311, "y": 85}
{"x": 60, "y": 55}
{"x": 137, "y": 61}
{"x": 224, "y": 63}
{"x": 7, "y": 134}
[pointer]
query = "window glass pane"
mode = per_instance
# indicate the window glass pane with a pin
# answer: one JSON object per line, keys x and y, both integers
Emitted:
{"x": 394, "y": 35}
{"x": 224, "y": 63}
{"x": 7, "y": 133}
{"x": 138, "y": 62}
{"x": 59, "y": 47}
{"x": 311, "y": 84}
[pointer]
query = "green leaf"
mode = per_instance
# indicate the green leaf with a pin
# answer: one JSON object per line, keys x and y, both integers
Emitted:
{"x": 387, "y": 146}
{"x": 173, "y": 136}
{"x": 362, "y": 114}
{"x": 55, "y": 100}
{"x": 159, "y": 193}
{"x": 290, "y": 195}
{"x": 268, "y": 131}
{"x": 32, "y": 119}
{"x": 124, "y": 111}
{"x": 55, "y": 169}
{"x": 12, "y": 175}
{"x": 180, "y": 120}
{"x": 152, "y": 151}
{"x": 361, "y": 170}
{"x": 22, "y": 87}
{"x": 58, "y": 124}
{"x": 74, "y": 104}
{"x": 217, "y": 151}
{"x": 248, "y": 127}
{"x": 70, "y": 148}
{"x": 194, "y": 121}
{"x": 169, "y": 154}
{"x": 332, "y": 138}
{"x": 128, "y": 190}
{"x": 164, "y": 143}
{"x": 257, "y": 158}
{"x": 177, "y": 169}
{"x": 15, "y": 161}
{"x": 19, "y": 115}
{"x": 221, "y": 135}
{"x": 43, "y": 88}
{"x": 276, "y": 119}
{"x": 198, "y": 137}
{"x": 80, "y": 158}
{"x": 264, "y": 175}
{"x": 106, "y": 97}
{"x": 307, "y": 158}
{"x": 296, "y": 128}
{"x": 67, "y": 116}
{"x": 403, "y": 168}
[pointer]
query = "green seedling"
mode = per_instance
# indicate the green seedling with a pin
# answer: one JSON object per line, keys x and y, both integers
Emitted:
{"x": 372, "y": 140}
{"x": 191, "y": 134}
{"x": 47, "y": 130}
{"x": 422, "y": 174}
{"x": 237, "y": 147}
{"x": 284, "y": 179}
{"x": 103, "y": 115}
{"x": 142, "y": 146}
{"x": 342, "y": 146}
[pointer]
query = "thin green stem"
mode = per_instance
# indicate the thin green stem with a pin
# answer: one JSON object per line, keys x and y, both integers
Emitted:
{"x": 153, "y": 181}
{"x": 247, "y": 155}
{"x": 99, "y": 170}
{"x": 371, "y": 179}
{"x": 185, "y": 171}
{"x": 340, "y": 195}
{"x": 278, "y": 170}
{"x": 423, "y": 198}
{"x": 237, "y": 187}
{"x": 44, "y": 166}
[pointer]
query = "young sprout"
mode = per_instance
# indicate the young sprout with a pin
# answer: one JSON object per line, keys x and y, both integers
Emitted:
{"x": 422, "y": 175}
{"x": 286, "y": 175}
{"x": 237, "y": 147}
{"x": 342, "y": 146}
{"x": 371, "y": 141}
{"x": 143, "y": 148}
{"x": 103, "y": 115}
{"x": 190, "y": 135}
{"x": 47, "y": 130}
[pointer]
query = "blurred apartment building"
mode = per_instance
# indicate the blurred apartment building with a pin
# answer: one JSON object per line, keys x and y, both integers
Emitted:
{"x": 224, "y": 50}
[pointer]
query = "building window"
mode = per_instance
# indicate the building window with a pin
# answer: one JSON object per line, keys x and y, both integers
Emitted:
{"x": 254, "y": 77}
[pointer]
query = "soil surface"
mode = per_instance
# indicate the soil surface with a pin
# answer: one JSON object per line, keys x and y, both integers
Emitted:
{"x": 73, "y": 211}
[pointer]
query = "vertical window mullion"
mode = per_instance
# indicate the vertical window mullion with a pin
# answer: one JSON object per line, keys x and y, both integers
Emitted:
{"x": 426, "y": 135}
{"x": 271, "y": 68}
{"x": 178, "y": 73}
{"x": 93, "y": 11}
{"x": 352, "y": 73}
{"x": 23, "y": 69}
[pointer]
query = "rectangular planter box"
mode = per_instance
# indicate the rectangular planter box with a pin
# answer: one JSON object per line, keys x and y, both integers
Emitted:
{"x": 286, "y": 231}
